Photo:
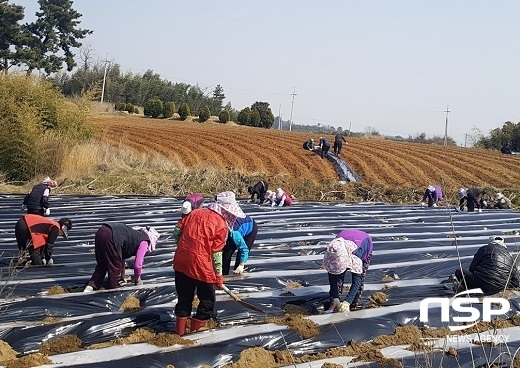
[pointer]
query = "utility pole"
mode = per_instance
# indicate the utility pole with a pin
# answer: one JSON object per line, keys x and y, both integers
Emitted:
{"x": 280, "y": 117}
{"x": 104, "y": 79}
{"x": 446, "y": 127}
{"x": 292, "y": 106}
{"x": 465, "y": 139}
{"x": 349, "y": 128}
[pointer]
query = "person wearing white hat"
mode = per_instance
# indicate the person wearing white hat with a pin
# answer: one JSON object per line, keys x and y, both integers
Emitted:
{"x": 270, "y": 198}
{"x": 115, "y": 242}
{"x": 324, "y": 147}
{"x": 493, "y": 269}
{"x": 473, "y": 198}
{"x": 351, "y": 250}
{"x": 502, "y": 202}
{"x": 433, "y": 194}
{"x": 198, "y": 259}
{"x": 190, "y": 203}
{"x": 37, "y": 200}
{"x": 281, "y": 198}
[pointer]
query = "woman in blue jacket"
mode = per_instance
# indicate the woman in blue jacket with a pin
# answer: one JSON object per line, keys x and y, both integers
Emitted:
{"x": 241, "y": 238}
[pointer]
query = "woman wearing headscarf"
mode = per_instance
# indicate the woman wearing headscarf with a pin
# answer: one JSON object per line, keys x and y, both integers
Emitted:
{"x": 114, "y": 243}
{"x": 282, "y": 198}
{"x": 198, "y": 259}
{"x": 433, "y": 194}
{"x": 37, "y": 200}
{"x": 240, "y": 239}
{"x": 351, "y": 250}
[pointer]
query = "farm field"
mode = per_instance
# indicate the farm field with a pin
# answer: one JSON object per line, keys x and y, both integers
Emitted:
{"x": 45, "y": 315}
{"x": 273, "y": 153}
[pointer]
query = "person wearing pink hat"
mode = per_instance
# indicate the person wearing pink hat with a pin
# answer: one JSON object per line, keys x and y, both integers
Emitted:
{"x": 115, "y": 242}
{"x": 198, "y": 259}
{"x": 37, "y": 200}
{"x": 351, "y": 250}
{"x": 281, "y": 198}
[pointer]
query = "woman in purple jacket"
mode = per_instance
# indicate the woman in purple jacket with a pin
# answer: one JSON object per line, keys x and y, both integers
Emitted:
{"x": 433, "y": 194}
{"x": 354, "y": 254}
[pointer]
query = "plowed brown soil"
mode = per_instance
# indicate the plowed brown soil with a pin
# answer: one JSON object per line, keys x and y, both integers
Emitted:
{"x": 273, "y": 153}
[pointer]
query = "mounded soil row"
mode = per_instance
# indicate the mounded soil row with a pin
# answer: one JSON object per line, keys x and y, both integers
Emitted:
{"x": 271, "y": 153}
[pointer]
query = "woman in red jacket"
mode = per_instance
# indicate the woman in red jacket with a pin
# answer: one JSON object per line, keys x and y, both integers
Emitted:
{"x": 37, "y": 234}
{"x": 198, "y": 259}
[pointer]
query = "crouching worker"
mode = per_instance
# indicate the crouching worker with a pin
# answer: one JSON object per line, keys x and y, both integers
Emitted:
{"x": 37, "y": 200}
{"x": 351, "y": 250}
{"x": 241, "y": 238}
{"x": 281, "y": 198}
{"x": 37, "y": 235}
{"x": 198, "y": 259}
{"x": 502, "y": 202}
{"x": 259, "y": 189}
{"x": 114, "y": 243}
{"x": 432, "y": 194}
{"x": 493, "y": 269}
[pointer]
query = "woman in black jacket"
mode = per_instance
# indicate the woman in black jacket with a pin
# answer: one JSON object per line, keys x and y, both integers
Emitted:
{"x": 493, "y": 269}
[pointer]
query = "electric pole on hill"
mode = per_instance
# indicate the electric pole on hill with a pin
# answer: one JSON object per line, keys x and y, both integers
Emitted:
{"x": 292, "y": 106}
{"x": 446, "y": 127}
{"x": 280, "y": 117}
{"x": 104, "y": 79}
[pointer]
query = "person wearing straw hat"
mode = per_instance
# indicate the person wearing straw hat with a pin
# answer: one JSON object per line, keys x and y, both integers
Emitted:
{"x": 37, "y": 235}
{"x": 351, "y": 250}
{"x": 493, "y": 269}
{"x": 37, "y": 200}
{"x": 198, "y": 259}
{"x": 433, "y": 194}
{"x": 114, "y": 243}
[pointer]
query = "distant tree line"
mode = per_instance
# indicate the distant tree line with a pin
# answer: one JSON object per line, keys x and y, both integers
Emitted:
{"x": 509, "y": 133}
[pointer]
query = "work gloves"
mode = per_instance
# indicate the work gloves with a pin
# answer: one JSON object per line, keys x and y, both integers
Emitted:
{"x": 239, "y": 269}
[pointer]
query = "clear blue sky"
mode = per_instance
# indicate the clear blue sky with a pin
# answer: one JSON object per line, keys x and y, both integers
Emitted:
{"x": 391, "y": 65}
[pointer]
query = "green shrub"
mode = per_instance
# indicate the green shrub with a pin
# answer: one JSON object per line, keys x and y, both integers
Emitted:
{"x": 119, "y": 106}
{"x": 129, "y": 108}
{"x": 136, "y": 110}
{"x": 204, "y": 114}
{"x": 34, "y": 119}
{"x": 168, "y": 109}
{"x": 184, "y": 111}
{"x": 224, "y": 116}
{"x": 153, "y": 107}
{"x": 244, "y": 116}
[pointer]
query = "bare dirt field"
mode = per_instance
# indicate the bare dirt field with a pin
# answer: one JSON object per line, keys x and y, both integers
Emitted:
{"x": 230, "y": 147}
